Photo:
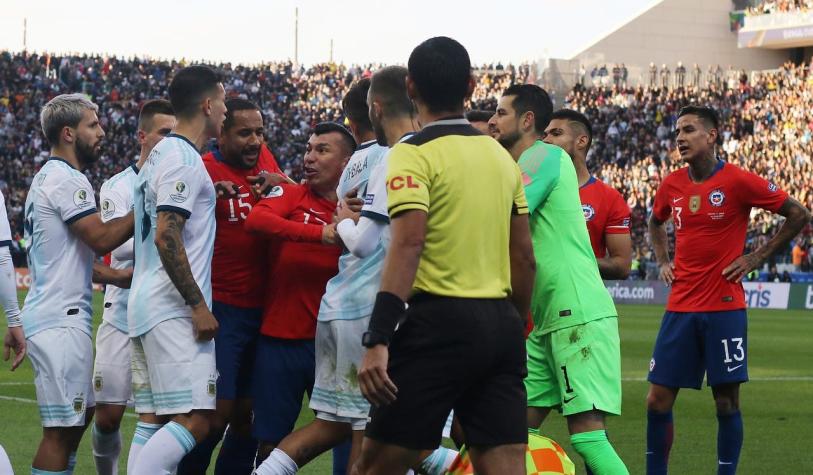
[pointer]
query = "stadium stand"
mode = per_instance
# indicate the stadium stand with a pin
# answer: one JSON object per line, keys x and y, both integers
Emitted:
{"x": 767, "y": 127}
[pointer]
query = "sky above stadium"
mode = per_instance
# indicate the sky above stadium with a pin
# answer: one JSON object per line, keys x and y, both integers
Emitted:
{"x": 252, "y": 31}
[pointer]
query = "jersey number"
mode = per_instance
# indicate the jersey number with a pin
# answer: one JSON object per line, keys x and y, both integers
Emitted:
{"x": 739, "y": 356}
{"x": 568, "y": 389}
{"x": 678, "y": 222}
{"x": 240, "y": 205}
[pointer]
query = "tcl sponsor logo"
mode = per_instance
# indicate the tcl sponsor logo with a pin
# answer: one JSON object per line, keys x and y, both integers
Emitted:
{"x": 23, "y": 278}
{"x": 399, "y": 182}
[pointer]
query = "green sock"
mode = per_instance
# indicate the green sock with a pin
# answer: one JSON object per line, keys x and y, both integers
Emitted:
{"x": 598, "y": 454}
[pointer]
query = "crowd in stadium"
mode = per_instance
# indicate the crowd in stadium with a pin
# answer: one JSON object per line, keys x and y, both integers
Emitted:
{"x": 779, "y": 6}
{"x": 767, "y": 125}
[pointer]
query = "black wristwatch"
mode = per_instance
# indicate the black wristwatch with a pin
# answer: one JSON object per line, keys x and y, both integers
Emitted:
{"x": 371, "y": 339}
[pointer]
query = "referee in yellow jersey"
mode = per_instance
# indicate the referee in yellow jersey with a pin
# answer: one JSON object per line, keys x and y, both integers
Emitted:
{"x": 461, "y": 255}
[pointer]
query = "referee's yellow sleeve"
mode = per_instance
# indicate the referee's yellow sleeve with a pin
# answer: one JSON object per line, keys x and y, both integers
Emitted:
{"x": 520, "y": 202}
{"x": 407, "y": 180}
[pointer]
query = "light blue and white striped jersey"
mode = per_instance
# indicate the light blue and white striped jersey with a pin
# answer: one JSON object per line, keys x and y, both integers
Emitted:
{"x": 173, "y": 179}
{"x": 350, "y": 294}
{"x": 116, "y": 200}
{"x": 60, "y": 264}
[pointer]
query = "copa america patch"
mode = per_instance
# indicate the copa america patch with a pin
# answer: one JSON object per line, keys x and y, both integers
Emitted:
{"x": 589, "y": 212}
{"x": 275, "y": 192}
{"x": 772, "y": 187}
{"x": 108, "y": 208}
{"x": 717, "y": 198}
{"x": 80, "y": 198}
{"x": 181, "y": 192}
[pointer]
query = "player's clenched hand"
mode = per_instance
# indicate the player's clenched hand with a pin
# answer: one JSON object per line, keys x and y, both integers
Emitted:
{"x": 329, "y": 235}
{"x": 667, "y": 272}
{"x": 344, "y": 211}
{"x": 375, "y": 384}
{"x": 262, "y": 182}
{"x": 204, "y": 322}
{"x": 226, "y": 189}
{"x": 14, "y": 340}
{"x": 741, "y": 267}
{"x": 353, "y": 202}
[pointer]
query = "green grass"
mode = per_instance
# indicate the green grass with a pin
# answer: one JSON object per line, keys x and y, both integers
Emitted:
{"x": 776, "y": 404}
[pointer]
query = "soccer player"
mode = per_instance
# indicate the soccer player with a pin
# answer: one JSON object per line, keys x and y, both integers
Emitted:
{"x": 574, "y": 360}
{"x": 704, "y": 328}
{"x": 238, "y": 282}
{"x": 302, "y": 256}
{"x": 112, "y": 382}
{"x": 605, "y": 210}
{"x": 459, "y": 344}
{"x": 168, "y": 310}
{"x": 479, "y": 120}
{"x": 64, "y": 231}
{"x": 14, "y": 341}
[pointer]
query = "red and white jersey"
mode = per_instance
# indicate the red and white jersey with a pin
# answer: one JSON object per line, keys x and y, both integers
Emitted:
{"x": 605, "y": 211}
{"x": 711, "y": 220}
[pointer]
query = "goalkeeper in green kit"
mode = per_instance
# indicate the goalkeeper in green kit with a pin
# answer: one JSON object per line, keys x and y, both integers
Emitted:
{"x": 574, "y": 360}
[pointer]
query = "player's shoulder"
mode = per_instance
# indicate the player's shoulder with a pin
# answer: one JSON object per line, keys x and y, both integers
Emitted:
{"x": 287, "y": 192}
{"x": 56, "y": 172}
{"x": 676, "y": 178}
{"x": 175, "y": 150}
{"x": 121, "y": 180}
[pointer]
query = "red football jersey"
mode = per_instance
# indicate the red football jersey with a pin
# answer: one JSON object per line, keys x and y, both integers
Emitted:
{"x": 298, "y": 264}
{"x": 238, "y": 264}
{"x": 711, "y": 220}
{"x": 605, "y": 211}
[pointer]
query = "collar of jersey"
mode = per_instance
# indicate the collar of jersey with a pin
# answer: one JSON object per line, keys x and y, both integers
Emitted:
{"x": 406, "y": 136}
{"x": 590, "y": 181}
{"x": 218, "y": 156}
{"x": 366, "y": 144}
{"x": 453, "y": 120}
{"x": 717, "y": 167}
{"x": 134, "y": 167}
{"x": 63, "y": 161}
{"x": 173, "y": 134}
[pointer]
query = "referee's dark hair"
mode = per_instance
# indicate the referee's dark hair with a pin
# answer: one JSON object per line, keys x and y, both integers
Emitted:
{"x": 189, "y": 86}
{"x": 576, "y": 117}
{"x": 478, "y": 116}
{"x": 328, "y": 127}
{"x": 388, "y": 87}
{"x": 440, "y": 68}
{"x": 354, "y": 105}
{"x": 234, "y": 105}
{"x": 152, "y": 108}
{"x": 531, "y": 98}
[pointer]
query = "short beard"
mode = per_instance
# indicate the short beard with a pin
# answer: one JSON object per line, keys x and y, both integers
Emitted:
{"x": 508, "y": 141}
{"x": 85, "y": 153}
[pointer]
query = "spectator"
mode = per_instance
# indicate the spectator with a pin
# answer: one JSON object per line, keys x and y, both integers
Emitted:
{"x": 799, "y": 255}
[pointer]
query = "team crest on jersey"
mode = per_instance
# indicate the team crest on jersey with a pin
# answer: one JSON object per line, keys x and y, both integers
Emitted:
{"x": 694, "y": 203}
{"x": 275, "y": 192}
{"x": 80, "y": 198}
{"x": 651, "y": 364}
{"x": 108, "y": 208}
{"x": 772, "y": 187}
{"x": 181, "y": 192}
{"x": 717, "y": 198}
{"x": 589, "y": 212}
{"x": 98, "y": 382}
{"x": 79, "y": 403}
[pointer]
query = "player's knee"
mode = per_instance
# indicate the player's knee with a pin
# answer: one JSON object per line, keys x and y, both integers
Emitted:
{"x": 659, "y": 400}
{"x": 107, "y": 421}
{"x": 726, "y": 404}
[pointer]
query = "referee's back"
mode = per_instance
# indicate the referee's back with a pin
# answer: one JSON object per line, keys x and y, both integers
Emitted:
{"x": 469, "y": 186}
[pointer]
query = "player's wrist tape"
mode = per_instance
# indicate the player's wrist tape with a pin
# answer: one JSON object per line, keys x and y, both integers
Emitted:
{"x": 388, "y": 312}
{"x": 14, "y": 320}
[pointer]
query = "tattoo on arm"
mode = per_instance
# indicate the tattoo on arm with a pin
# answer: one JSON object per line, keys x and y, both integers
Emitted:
{"x": 169, "y": 240}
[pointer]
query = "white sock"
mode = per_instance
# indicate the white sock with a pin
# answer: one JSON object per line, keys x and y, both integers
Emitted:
{"x": 165, "y": 450}
{"x": 5, "y": 463}
{"x": 143, "y": 432}
{"x": 71, "y": 463}
{"x": 278, "y": 463}
{"x": 106, "y": 449}
{"x": 438, "y": 461}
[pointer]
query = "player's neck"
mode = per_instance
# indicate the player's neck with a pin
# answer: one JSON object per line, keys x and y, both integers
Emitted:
{"x": 326, "y": 191}
{"x": 397, "y": 128}
{"x": 520, "y": 146}
{"x": 67, "y": 154}
{"x": 365, "y": 137}
{"x": 194, "y": 130}
{"x": 700, "y": 170}
{"x": 582, "y": 173}
{"x": 142, "y": 159}
{"x": 425, "y": 116}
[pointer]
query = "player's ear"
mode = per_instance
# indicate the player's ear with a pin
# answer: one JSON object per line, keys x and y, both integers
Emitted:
{"x": 207, "y": 106}
{"x": 142, "y": 137}
{"x": 528, "y": 120}
{"x": 68, "y": 134}
{"x": 471, "y": 86}
{"x": 582, "y": 142}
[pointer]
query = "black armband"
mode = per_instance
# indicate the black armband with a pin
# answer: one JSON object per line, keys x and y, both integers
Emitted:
{"x": 388, "y": 312}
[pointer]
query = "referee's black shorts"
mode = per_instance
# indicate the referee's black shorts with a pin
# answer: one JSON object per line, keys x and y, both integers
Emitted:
{"x": 461, "y": 354}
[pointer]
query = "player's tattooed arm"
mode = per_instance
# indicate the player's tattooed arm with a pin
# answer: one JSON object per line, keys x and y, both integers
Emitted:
{"x": 796, "y": 217}
{"x": 169, "y": 241}
{"x": 660, "y": 244}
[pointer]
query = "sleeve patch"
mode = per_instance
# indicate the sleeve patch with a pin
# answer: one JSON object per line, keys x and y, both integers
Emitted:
{"x": 181, "y": 192}
{"x": 80, "y": 198}
{"x": 108, "y": 208}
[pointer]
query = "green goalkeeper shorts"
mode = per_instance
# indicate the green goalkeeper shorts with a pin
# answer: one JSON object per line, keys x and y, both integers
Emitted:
{"x": 576, "y": 369}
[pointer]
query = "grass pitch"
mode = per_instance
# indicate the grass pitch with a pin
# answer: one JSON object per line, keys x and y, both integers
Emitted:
{"x": 776, "y": 404}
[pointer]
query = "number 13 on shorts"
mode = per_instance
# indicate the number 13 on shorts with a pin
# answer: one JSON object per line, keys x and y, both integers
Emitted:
{"x": 733, "y": 350}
